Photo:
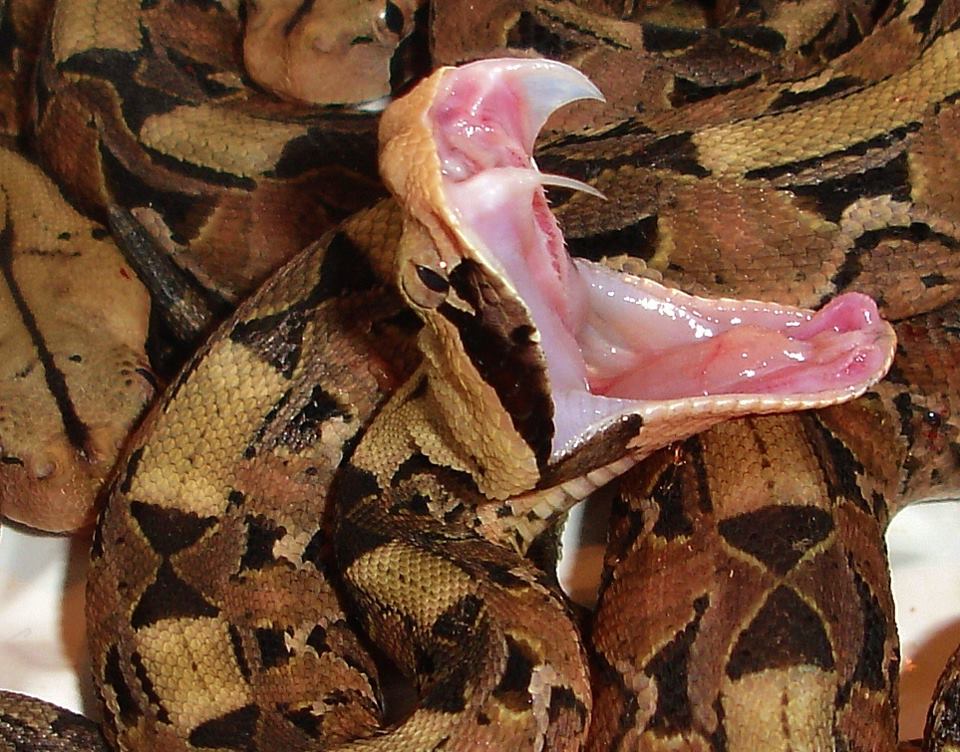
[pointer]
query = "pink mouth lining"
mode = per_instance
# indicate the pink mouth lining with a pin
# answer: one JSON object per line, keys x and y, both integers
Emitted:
{"x": 614, "y": 343}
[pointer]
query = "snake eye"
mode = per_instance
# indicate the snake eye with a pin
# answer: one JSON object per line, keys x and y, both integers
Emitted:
{"x": 424, "y": 286}
{"x": 391, "y": 18}
{"x": 432, "y": 280}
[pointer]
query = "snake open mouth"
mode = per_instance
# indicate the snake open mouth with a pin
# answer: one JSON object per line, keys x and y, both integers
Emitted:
{"x": 613, "y": 342}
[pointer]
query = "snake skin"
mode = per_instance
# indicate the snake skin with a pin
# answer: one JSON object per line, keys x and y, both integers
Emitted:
{"x": 225, "y": 588}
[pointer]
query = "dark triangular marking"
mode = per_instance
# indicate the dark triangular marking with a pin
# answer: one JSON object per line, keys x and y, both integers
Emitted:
{"x": 303, "y": 429}
{"x": 637, "y": 239}
{"x": 778, "y": 536}
{"x": 262, "y": 534}
{"x": 832, "y": 197}
{"x": 786, "y": 632}
{"x": 273, "y": 646}
{"x": 317, "y": 551}
{"x": 841, "y": 468}
{"x": 167, "y": 529}
{"x": 670, "y": 669}
{"x": 276, "y": 339}
{"x": 235, "y": 730}
{"x": 257, "y": 441}
{"x": 671, "y": 492}
{"x": 353, "y": 540}
{"x": 343, "y": 271}
{"x": 563, "y": 701}
{"x": 883, "y": 141}
{"x": 450, "y": 691}
{"x": 457, "y": 623}
{"x": 873, "y": 663}
{"x": 318, "y": 639}
{"x": 305, "y": 720}
{"x": 353, "y": 484}
{"x": 513, "y": 690}
{"x": 82, "y": 733}
{"x": 169, "y": 597}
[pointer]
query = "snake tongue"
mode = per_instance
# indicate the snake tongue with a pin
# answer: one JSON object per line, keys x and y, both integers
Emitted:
{"x": 616, "y": 345}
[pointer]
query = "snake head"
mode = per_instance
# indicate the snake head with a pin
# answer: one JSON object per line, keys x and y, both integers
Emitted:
{"x": 567, "y": 356}
{"x": 327, "y": 51}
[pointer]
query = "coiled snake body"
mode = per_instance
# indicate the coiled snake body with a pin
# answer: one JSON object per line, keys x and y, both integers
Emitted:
{"x": 748, "y": 607}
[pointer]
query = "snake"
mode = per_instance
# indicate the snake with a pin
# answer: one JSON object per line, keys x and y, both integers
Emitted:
{"x": 202, "y": 629}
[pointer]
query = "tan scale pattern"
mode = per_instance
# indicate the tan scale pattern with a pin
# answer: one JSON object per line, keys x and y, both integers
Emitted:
{"x": 836, "y": 125}
{"x": 184, "y": 459}
{"x": 205, "y": 682}
{"x": 234, "y": 142}
{"x": 105, "y": 24}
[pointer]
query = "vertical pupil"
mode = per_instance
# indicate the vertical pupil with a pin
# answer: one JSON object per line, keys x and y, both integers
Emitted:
{"x": 393, "y": 18}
